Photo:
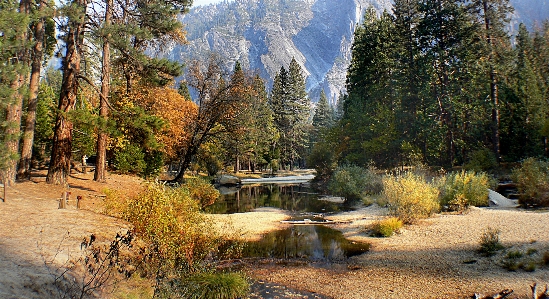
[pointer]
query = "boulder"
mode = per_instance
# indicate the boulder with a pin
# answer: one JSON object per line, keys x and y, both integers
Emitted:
{"x": 228, "y": 180}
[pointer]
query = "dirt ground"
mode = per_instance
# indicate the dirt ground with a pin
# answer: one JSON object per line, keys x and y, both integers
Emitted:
{"x": 37, "y": 239}
{"x": 436, "y": 258}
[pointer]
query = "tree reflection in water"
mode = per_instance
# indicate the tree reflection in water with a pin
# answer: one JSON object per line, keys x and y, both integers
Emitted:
{"x": 290, "y": 197}
{"x": 313, "y": 242}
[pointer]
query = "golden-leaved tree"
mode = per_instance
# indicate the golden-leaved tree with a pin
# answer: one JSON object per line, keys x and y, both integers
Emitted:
{"x": 178, "y": 114}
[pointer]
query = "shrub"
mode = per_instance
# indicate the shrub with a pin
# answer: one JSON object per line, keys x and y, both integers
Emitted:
{"x": 352, "y": 182}
{"x": 514, "y": 254}
{"x": 130, "y": 159}
{"x": 154, "y": 160}
{"x": 530, "y": 266}
{"x": 463, "y": 189}
{"x": 114, "y": 203}
{"x": 532, "y": 179}
{"x": 214, "y": 286}
{"x": 489, "y": 242}
{"x": 177, "y": 236}
{"x": 511, "y": 264}
{"x": 410, "y": 197}
{"x": 202, "y": 191}
{"x": 545, "y": 258}
{"x": 386, "y": 227}
{"x": 323, "y": 160}
{"x": 481, "y": 160}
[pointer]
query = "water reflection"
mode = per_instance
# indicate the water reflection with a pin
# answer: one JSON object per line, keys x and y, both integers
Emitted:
{"x": 291, "y": 197}
{"x": 313, "y": 242}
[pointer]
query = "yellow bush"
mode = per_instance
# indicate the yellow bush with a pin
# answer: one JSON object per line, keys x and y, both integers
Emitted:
{"x": 386, "y": 227}
{"x": 410, "y": 197}
{"x": 177, "y": 235}
{"x": 114, "y": 203}
{"x": 202, "y": 191}
{"x": 463, "y": 189}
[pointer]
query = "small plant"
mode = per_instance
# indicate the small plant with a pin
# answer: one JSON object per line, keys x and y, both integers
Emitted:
{"x": 410, "y": 197}
{"x": 386, "y": 227}
{"x": 460, "y": 190}
{"x": 114, "y": 203}
{"x": 353, "y": 182}
{"x": 214, "y": 285}
{"x": 97, "y": 267}
{"x": 489, "y": 242}
{"x": 530, "y": 266}
{"x": 531, "y": 251}
{"x": 511, "y": 265}
{"x": 514, "y": 255}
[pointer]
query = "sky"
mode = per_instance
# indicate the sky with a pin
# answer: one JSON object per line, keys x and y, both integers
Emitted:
{"x": 205, "y": 2}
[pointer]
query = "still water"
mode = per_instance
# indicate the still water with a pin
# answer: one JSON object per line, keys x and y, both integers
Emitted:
{"x": 290, "y": 197}
{"x": 312, "y": 242}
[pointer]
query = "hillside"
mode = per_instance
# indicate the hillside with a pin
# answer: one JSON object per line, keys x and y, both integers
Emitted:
{"x": 264, "y": 35}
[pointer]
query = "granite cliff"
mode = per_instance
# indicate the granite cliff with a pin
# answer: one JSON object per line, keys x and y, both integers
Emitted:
{"x": 265, "y": 34}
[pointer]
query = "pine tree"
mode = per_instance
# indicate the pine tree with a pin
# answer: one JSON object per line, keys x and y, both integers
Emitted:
{"x": 369, "y": 120}
{"x": 323, "y": 117}
{"x": 290, "y": 106}
{"x": 101, "y": 145}
{"x": 62, "y": 142}
{"x": 493, "y": 15}
{"x": 43, "y": 39}
{"x": 14, "y": 22}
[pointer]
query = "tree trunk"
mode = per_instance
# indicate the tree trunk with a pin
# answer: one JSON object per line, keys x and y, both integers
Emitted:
{"x": 30, "y": 121}
{"x": 13, "y": 118}
{"x": 493, "y": 84}
{"x": 62, "y": 140}
{"x": 100, "y": 167}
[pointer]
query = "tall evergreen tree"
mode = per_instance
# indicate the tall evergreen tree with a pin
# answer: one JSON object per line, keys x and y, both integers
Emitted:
{"x": 43, "y": 39}
{"x": 493, "y": 15}
{"x": 14, "y": 22}
{"x": 290, "y": 105}
{"x": 369, "y": 120}
{"x": 62, "y": 142}
{"x": 324, "y": 113}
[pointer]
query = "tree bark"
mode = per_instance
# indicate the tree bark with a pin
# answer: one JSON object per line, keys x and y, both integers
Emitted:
{"x": 30, "y": 120}
{"x": 100, "y": 168}
{"x": 13, "y": 118}
{"x": 493, "y": 84}
{"x": 62, "y": 141}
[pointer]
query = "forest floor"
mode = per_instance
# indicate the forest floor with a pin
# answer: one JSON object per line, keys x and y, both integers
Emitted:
{"x": 436, "y": 258}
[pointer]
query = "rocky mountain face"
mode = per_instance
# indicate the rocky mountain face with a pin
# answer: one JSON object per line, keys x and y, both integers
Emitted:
{"x": 264, "y": 35}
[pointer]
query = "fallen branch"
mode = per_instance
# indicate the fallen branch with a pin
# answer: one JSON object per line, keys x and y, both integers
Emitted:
{"x": 544, "y": 295}
{"x": 500, "y": 295}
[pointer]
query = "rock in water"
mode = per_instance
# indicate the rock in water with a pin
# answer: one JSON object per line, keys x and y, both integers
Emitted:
{"x": 228, "y": 180}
